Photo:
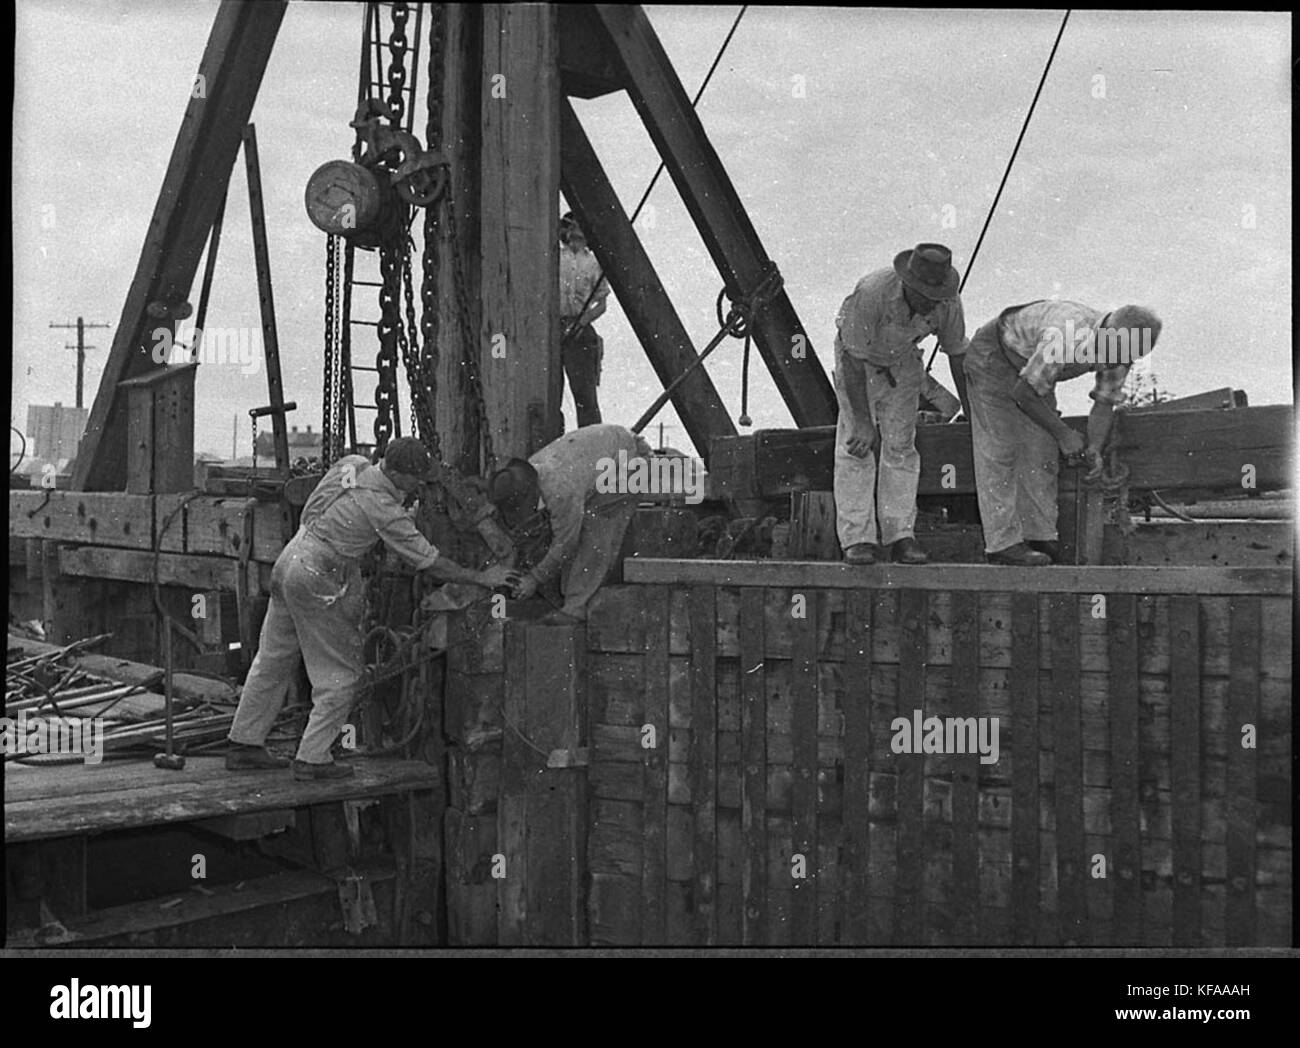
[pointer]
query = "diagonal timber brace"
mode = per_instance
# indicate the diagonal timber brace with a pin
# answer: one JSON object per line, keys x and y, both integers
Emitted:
{"x": 192, "y": 191}
{"x": 626, "y": 265}
{"x": 715, "y": 207}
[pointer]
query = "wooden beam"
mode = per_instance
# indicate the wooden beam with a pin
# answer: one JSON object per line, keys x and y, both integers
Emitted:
{"x": 193, "y": 189}
{"x": 716, "y": 208}
{"x": 989, "y": 577}
{"x": 266, "y": 299}
{"x": 637, "y": 286}
{"x": 519, "y": 350}
{"x": 1163, "y": 450}
{"x": 107, "y": 519}
{"x": 92, "y": 799}
{"x": 460, "y": 134}
{"x": 586, "y": 69}
{"x": 174, "y": 569}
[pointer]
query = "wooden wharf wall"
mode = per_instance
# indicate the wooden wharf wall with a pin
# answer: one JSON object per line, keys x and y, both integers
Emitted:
{"x": 1120, "y": 740}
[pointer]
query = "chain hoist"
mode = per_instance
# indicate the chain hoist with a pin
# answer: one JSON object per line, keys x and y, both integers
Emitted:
{"x": 397, "y": 48}
{"x": 429, "y": 283}
{"x": 469, "y": 338}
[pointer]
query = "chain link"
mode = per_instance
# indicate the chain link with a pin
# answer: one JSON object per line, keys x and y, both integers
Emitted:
{"x": 470, "y": 340}
{"x": 331, "y": 354}
{"x": 397, "y": 48}
{"x": 430, "y": 326}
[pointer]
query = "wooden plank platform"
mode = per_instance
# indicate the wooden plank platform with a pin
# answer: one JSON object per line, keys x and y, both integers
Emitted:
{"x": 72, "y": 799}
{"x": 982, "y": 577}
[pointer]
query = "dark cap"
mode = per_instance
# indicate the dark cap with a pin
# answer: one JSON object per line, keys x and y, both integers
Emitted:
{"x": 408, "y": 455}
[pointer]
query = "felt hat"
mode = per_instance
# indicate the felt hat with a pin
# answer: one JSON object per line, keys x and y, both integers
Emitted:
{"x": 927, "y": 269}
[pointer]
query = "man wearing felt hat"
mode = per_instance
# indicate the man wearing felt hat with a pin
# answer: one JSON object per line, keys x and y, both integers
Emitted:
{"x": 878, "y": 380}
{"x": 318, "y": 603}
{"x": 1009, "y": 377}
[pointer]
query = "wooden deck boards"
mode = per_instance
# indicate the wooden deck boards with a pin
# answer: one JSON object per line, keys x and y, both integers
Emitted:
{"x": 72, "y": 799}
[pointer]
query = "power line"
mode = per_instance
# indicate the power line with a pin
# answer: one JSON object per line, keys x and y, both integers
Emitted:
{"x": 1007, "y": 173}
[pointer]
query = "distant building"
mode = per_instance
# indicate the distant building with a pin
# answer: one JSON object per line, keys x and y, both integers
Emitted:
{"x": 301, "y": 445}
{"x": 53, "y": 433}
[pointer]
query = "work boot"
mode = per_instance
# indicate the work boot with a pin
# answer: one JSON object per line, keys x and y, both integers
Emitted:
{"x": 909, "y": 551}
{"x": 1020, "y": 556}
{"x": 1049, "y": 546}
{"x": 332, "y": 770}
{"x": 250, "y": 758}
{"x": 861, "y": 553}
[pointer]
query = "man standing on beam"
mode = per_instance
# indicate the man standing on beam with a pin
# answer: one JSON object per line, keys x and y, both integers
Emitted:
{"x": 318, "y": 604}
{"x": 582, "y": 300}
{"x": 878, "y": 381}
{"x": 1009, "y": 377}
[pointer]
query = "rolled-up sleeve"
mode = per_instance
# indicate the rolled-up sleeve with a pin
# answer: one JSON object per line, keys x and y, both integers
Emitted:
{"x": 1109, "y": 388}
{"x": 1042, "y": 371}
{"x": 952, "y": 332}
{"x": 398, "y": 531}
{"x": 566, "y": 514}
{"x": 858, "y": 321}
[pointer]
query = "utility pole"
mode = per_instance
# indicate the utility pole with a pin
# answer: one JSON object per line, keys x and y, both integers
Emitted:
{"x": 81, "y": 348}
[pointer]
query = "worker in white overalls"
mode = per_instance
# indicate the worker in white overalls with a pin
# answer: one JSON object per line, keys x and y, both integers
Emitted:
{"x": 1010, "y": 372}
{"x": 570, "y": 480}
{"x": 318, "y": 604}
{"x": 878, "y": 382}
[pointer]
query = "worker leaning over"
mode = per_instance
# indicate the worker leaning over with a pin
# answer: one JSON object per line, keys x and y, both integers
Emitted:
{"x": 318, "y": 603}
{"x": 575, "y": 479}
{"x": 1009, "y": 378}
{"x": 878, "y": 380}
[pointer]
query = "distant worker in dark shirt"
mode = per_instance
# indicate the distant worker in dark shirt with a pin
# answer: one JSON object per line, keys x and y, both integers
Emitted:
{"x": 582, "y": 299}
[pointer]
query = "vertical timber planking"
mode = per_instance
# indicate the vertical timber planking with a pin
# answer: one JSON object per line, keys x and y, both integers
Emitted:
{"x": 753, "y": 781}
{"x": 1125, "y": 821}
{"x": 654, "y": 769}
{"x": 966, "y": 769}
{"x": 1243, "y": 715}
{"x": 704, "y": 779}
{"x": 520, "y": 185}
{"x": 1067, "y": 739}
{"x": 803, "y": 790}
{"x": 857, "y": 765}
{"x": 512, "y": 804}
{"x": 1185, "y": 765}
{"x": 913, "y": 612}
{"x": 1023, "y": 682}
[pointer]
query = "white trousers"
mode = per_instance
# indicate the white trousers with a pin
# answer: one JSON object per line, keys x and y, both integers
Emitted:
{"x": 871, "y": 496}
{"x": 316, "y": 612}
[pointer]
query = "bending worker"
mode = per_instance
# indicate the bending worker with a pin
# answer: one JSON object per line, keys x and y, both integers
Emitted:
{"x": 574, "y": 479}
{"x": 1009, "y": 378}
{"x": 318, "y": 604}
{"x": 878, "y": 381}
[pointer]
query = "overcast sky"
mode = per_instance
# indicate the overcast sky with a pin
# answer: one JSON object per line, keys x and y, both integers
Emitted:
{"x": 1157, "y": 170}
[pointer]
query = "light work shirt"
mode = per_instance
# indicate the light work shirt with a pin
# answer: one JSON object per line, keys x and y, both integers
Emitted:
{"x": 877, "y": 325}
{"x": 355, "y": 505}
{"x": 579, "y": 272}
{"x": 567, "y": 471}
{"x": 1040, "y": 334}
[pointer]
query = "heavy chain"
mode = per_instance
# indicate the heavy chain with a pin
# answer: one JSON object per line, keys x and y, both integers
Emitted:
{"x": 331, "y": 354}
{"x": 429, "y": 319}
{"x": 397, "y": 48}
{"x": 388, "y": 424}
{"x": 347, "y": 411}
{"x": 422, "y": 411}
{"x": 333, "y": 420}
{"x": 469, "y": 338}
